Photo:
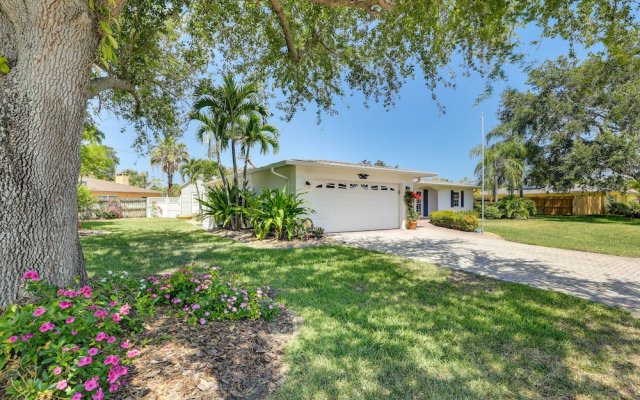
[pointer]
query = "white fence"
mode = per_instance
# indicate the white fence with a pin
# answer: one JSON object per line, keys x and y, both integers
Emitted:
{"x": 163, "y": 207}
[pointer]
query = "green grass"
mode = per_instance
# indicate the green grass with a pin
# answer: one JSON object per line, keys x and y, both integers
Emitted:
{"x": 382, "y": 327}
{"x": 618, "y": 236}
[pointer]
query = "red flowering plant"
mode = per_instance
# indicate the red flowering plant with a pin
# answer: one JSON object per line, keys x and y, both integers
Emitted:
{"x": 410, "y": 196}
{"x": 66, "y": 343}
{"x": 211, "y": 296}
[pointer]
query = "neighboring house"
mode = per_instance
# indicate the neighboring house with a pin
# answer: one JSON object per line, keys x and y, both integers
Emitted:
{"x": 354, "y": 197}
{"x": 189, "y": 198}
{"x": 443, "y": 195}
{"x": 576, "y": 201}
{"x": 105, "y": 190}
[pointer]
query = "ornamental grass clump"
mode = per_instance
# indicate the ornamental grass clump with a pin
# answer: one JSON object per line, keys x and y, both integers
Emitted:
{"x": 69, "y": 344}
{"x": 211, "y": 296}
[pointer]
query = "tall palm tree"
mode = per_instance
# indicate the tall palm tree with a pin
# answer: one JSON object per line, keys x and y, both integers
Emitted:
{"x": 504, "y": 164}
{"x": 255, "y": 132}
{"x": 169, "y": 154}
{"x": 212, "y": 131}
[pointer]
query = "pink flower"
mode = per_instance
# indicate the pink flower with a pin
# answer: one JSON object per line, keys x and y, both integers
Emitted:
{"x": 101, "y": 336}
{"x": 27, "y": 337}
{"x": 75, "y": 349}
{"x": 31, "y": 275}
{"x": 66, "y": 304}
{"x": 101, "y": 314}
{"x": 116, "y": 372}
{"x": 112, "y": 359}
{"x": 116, "y": 317}
{"x": 112, "y": 339}
{"x": 202, "y": 321}
{"x": 74, "y": 332}
{"x": 124, "y": 310}
{"x": 133, "y": 353}
{"x": 57, "y": 371}
{"x": 113, "y": 387}
{"x": 195, "y": 306}
{"x": 99, "y": 395}
{"x": 61, "y": 385}
{"x": 86, "y": 291}
{"x": 93, "y": 351}
{"x": 13, "y": 339}
{"x": 153, "y": 296}
{"x": 70, "y": 320}
{"x": 91, "y": 384}
{"x": 39, "y": 311}
{"x": 125, "y": 344}
{"x": 112, "y": 303}
{"x": 76, "y": 396}
{"x": 47, "y": 326}
{"x": 85, "y": 361}
{"x": 167, "y": 296}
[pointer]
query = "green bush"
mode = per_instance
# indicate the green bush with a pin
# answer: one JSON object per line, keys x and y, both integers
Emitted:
{"x": 85, "y": 198}
{"x": 490, "y": 211}
{"x": 631, "y": 209}
{"x": 462, "y": 221}
{"x": 277, "y": 213}
{"x": 220, "y": 207}
{"x": 517, "y": 207}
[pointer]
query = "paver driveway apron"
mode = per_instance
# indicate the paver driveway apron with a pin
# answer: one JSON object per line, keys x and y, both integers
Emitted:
{"x": 609, "y": 279}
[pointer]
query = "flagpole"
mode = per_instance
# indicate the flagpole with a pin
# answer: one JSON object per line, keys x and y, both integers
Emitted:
{"x": 483, "y": 193}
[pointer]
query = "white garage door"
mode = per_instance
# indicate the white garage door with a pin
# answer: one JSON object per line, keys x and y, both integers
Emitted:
{"x": 354, "y": 206}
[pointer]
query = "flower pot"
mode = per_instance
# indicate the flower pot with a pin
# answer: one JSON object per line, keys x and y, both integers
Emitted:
{"x": 411, "y": 224}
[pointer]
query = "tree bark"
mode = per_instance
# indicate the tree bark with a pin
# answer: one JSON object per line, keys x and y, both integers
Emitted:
{"x": 51, "y": 46}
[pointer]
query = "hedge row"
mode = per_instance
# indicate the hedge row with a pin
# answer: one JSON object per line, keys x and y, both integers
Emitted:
{"x": 462, "y": 221}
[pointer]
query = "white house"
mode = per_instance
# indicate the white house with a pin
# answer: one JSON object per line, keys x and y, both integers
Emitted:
{"x": 354, "y": 197}
{"x": 189, "y": 204}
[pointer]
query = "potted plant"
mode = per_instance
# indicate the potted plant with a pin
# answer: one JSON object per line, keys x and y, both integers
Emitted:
{"x": 412, "y": 218}
{"x": 412, "y": 214}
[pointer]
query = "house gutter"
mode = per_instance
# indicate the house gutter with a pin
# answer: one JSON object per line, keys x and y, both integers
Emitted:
{"x": 273, "y": 171}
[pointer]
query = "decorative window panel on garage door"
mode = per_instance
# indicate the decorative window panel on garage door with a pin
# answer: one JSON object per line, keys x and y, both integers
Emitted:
{"x": 352, "y": 206}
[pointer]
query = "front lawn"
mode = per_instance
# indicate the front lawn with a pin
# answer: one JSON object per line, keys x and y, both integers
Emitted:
{"x": 382, "y": 327}
{"x": 618, "y": 236}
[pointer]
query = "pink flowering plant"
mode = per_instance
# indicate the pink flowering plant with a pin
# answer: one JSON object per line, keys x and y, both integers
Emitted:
{"x": 69, "y": 343}
{"x": 209, "y": 296}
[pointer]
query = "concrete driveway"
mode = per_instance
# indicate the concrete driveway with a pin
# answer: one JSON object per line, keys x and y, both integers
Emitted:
{"x": 611, "y": 280}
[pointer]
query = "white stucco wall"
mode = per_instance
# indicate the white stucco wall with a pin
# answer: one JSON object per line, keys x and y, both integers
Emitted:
{"x": 444, "y": 199}
{"x": 186, "y": 197}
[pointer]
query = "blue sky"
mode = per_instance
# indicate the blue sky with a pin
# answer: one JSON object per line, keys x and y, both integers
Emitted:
{"x": 413, "y": 134}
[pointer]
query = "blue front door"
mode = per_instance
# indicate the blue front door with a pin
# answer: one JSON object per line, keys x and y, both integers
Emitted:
{"x": 425, "y": 202}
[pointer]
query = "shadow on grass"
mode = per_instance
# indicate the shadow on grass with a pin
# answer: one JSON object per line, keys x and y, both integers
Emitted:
{"x": 378, "y": 326}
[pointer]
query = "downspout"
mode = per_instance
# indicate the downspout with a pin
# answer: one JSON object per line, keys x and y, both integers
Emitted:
{"x": 286, "y": 178}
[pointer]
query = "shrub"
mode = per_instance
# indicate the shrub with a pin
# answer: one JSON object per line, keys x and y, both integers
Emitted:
{"x": 462, "y": 221}
{"x": 631, "y": 209}
{"x": 277, "y": 213}
{"x": 210, "y": 296}
{"x": 112, "y": 209}
{"x": 517, "y": 207}
{"x": 68, "y": 343}
{"x": 490, "y": 211}
{"x": 85, "y": 198}
{"x": 220, "y": 207}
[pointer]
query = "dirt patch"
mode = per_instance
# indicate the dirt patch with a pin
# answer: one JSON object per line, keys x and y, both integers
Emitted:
{"x": 469, "y": 282}
{"x": 91, "y": 232}
{"x": 246, "y": 236}
{"x": 221, "y": 360}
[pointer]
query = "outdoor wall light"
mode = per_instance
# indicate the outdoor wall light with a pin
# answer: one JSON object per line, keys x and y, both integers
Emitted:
{"x": 363, "y": 176}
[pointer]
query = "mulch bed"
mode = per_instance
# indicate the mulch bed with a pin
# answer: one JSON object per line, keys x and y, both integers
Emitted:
{"x": 246, "y": 236}
{"x": 221, "y": 360}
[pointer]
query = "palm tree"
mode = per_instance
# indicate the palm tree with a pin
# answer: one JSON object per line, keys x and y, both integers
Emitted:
{"x": 169, "y": 154}
{"x": 232, "y": 102}
{"x": 504, "y": 164}
{"x": 255, "y": 132}
{"x": 212, "y": 131}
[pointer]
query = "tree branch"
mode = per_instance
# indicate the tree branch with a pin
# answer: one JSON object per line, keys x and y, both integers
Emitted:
{"x": 99, "y": 85}
{"x": 373, "y": 7}
{"x": 276, "y": 6}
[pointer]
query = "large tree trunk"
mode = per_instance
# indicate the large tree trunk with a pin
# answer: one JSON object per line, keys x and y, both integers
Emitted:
{"x": 50, "y": 46}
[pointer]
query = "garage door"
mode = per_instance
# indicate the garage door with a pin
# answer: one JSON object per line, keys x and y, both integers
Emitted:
{"x": 354, "y": 206}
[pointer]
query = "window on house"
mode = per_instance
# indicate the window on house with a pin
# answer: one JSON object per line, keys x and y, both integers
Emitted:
{"x": 455, "y": 199}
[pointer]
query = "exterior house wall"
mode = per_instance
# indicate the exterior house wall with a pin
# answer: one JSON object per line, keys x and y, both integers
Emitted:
{"x": 439, "y": 198}
{"x": 266, "y": 179}
{"x": 186, "y": 197}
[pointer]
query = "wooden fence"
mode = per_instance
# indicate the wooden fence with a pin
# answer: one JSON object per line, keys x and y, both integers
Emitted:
{"x": 131, "y": 208}
{"x": 554, "y": 205}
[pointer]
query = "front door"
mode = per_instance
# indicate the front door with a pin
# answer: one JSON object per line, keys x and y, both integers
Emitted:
{"x": 425, "y": 203}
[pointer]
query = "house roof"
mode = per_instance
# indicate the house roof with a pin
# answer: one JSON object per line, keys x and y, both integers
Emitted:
{"x": 328, "y": 163}
{"x": 548, "y": 190}
{"x": 99, "y": 185}
{"x": 435, "y": 183}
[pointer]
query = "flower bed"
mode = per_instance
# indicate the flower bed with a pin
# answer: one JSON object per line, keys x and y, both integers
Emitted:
{"x": 77, "y": 344}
